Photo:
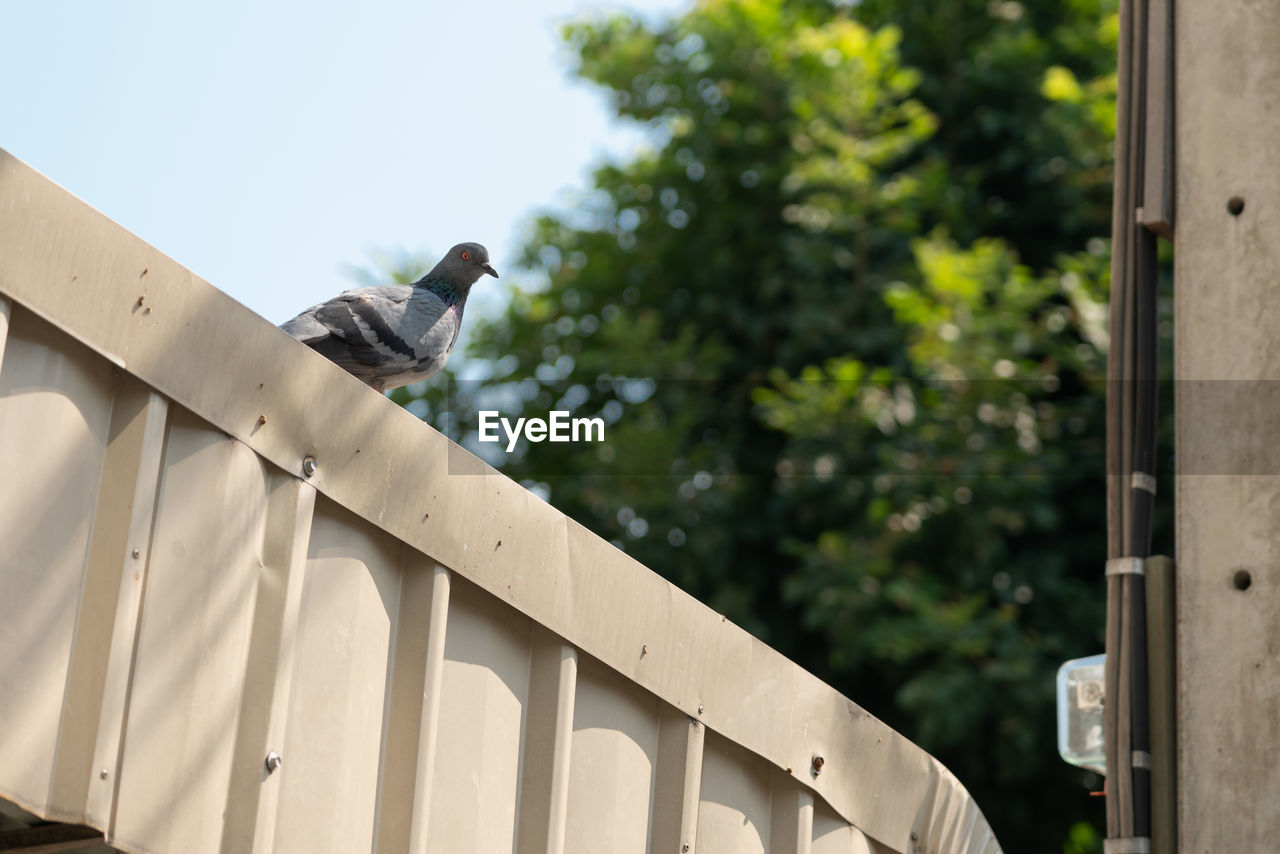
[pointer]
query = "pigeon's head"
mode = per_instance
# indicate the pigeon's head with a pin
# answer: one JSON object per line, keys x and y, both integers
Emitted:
{"x": 465, "y": 263}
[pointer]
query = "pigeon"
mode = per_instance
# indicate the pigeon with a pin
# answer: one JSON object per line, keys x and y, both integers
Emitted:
{"x": 393, "y": 335}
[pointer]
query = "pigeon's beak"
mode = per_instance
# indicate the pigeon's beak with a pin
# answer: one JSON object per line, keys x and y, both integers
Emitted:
{"x": 488, "y": 268}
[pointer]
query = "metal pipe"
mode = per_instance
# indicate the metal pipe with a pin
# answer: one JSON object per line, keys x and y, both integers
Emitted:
{"x": 1132, "y": 365}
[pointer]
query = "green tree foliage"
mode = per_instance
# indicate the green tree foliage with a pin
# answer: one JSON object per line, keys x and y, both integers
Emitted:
{"x": 846, "y": 322}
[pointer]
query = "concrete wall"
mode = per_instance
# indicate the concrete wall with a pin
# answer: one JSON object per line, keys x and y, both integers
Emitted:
{"x": 1227, "y": 363}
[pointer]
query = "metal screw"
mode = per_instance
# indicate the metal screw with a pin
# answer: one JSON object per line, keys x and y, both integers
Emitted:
{"x": 699, "y": 708}
{"x": 309, "y": 465}
{"x": 103, "y": 774}
{"x": 684, "y": 847}
{"x": 137, "y": 553}
{"x": 274, "y": 761}
{"x": 818, "y": 762}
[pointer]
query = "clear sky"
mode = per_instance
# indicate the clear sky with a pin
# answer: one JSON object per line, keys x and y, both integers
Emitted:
{"x": 269, "y": 146}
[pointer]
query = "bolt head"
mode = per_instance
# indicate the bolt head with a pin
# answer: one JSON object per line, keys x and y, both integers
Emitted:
{"x": 274, "y": 761}
{"x": 137, "y": 553}
{"x": 309, "y": 465}
{"x": 104, "y": 774}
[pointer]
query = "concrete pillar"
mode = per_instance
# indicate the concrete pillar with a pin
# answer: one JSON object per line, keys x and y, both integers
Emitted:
{"x": 1227, "y": 363}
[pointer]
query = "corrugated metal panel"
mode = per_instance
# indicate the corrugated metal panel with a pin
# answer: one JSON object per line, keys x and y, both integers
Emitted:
{"x": 442, "y": 661}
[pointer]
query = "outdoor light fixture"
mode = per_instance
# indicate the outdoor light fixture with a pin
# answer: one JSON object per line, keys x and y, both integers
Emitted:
{"x": 1081, "y": 692}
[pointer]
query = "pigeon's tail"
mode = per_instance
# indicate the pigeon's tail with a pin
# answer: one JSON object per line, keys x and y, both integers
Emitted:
{"x": 346, "y": 357}
{"x": 306, "y": 328}
{"x": 310, "y": 331}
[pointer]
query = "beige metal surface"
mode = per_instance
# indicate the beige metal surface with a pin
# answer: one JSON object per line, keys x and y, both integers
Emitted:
{"x": 443, "y": 661}
{"x": 1227, "y": 364}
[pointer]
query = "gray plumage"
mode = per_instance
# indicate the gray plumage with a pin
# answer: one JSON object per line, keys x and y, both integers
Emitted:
{"x": 393, "y": 335}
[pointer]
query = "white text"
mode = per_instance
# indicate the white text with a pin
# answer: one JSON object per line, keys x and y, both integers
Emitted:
{"x": 559, "y": 427}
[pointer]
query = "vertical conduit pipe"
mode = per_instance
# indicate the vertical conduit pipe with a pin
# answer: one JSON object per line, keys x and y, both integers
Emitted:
{"x": 1132, "y": 372}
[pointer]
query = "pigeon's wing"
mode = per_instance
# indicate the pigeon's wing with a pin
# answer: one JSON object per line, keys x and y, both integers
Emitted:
{"x": 358, "y": 330}
{"x": 308, "y": 327}
{"x": 390, "y": 335}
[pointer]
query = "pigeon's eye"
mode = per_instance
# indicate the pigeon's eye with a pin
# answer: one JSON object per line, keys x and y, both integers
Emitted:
{"x": 466, "y": 256}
